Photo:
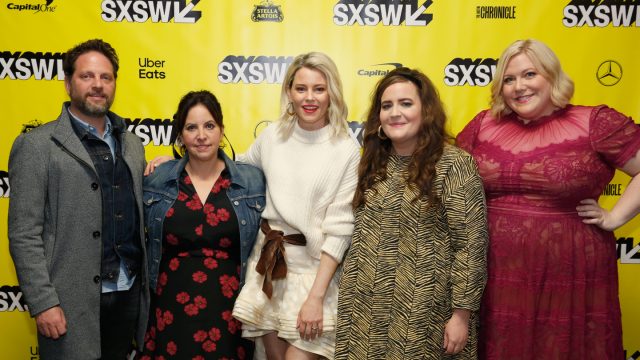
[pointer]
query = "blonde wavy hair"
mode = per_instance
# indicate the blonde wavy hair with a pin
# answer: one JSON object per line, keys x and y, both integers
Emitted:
{"x": 337, "y": 111}
{"x": 545, "y": 61}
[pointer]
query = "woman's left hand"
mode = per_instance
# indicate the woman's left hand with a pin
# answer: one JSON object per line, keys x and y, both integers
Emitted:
{"x": 309, "y": 322}
{"x": 594, "y": 214}
{"x": 456, "y": 332}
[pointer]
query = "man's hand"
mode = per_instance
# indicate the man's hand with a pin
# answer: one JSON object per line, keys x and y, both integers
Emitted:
{"x": 51, "y": 323}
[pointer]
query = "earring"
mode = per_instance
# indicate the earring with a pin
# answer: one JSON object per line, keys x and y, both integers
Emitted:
{"x": 289, "y": 109}
{"x": 381, "y": 134}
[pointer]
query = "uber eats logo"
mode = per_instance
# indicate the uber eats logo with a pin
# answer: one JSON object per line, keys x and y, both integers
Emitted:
{"x": 21, "y": 65}
{"x": 11, "y": 299}
{"x": 478, "y": 72}
{"x": 601, "y": 13}
{"x": 387, "y": 12}
{"x": 4, "y": 184}
{"x": 253, "y": 69}
{"x": 158, "y": 11}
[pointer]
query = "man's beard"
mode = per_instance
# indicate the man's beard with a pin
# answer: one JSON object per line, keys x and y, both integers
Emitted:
{"x": 93, "y": 110}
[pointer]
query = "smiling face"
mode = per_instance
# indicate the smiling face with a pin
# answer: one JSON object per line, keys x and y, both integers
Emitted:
{"x": 309, "y": 95}
{"x": 201, "y": 134}
{"x": 525, "y": 90}
{"x": 92, "y": 86}
{"x": 401, "y": 116}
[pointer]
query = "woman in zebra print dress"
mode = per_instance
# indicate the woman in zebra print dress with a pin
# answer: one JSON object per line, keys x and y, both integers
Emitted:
{"x": 414, "y": 275}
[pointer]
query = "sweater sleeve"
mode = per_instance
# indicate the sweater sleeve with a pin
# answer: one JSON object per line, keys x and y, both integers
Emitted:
{"x": 253, "y": 156}
{"x": 338, "y": 222}
{"x": 466, "y": 213}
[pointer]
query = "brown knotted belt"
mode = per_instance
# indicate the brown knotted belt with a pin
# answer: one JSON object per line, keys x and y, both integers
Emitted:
{"x": 272, "y": 263}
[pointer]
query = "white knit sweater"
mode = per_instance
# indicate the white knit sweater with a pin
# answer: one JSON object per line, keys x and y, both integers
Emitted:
{"x": 311, "y": 179}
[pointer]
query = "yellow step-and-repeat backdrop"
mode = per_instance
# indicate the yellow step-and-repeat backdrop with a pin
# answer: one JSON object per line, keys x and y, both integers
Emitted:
{"x": 240, "y": 49}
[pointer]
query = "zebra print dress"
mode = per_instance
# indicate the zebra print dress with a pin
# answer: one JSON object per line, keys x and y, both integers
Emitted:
{"x": 411, "y": 264}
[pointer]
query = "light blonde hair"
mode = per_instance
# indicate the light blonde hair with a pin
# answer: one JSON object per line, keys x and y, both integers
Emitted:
{"x": 337, "y": 111}
{"x": 545, "y": 61}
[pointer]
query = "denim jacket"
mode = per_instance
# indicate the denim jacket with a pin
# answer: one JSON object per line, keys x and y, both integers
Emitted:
{"x": 246, "y": 194}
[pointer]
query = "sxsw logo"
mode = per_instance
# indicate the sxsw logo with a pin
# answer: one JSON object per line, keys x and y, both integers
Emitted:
{"x": 253, "y": 69}
{"x": 156, "y": 131}
{"x": 158, "y": 11}
{"x": 387, "y": 12}
{"x": 4, "y": 184}
{"x": 602, "y": 13}
{"x": 478, "y": 72}
{"x": 627, "y": 253}
{"x": 11, "y": 299}
{"x": 25, "y": 65}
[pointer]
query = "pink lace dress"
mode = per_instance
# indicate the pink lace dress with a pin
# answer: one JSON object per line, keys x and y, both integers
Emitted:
{"x": 552, "y": 291}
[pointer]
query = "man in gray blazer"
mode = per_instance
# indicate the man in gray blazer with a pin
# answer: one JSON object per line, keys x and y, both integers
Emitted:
{"x": 75, "y": 218}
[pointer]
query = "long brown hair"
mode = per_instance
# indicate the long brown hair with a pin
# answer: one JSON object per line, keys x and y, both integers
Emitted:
{"x": 432, "y": 137}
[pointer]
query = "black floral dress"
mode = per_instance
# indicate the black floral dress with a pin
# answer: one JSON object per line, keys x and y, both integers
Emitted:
{"x": 198, "y": 280}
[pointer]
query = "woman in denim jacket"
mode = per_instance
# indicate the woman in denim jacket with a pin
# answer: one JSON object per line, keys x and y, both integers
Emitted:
{"x": 202, "y": 214}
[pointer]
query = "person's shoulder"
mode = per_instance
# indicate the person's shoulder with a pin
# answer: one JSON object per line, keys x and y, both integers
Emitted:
{"x": 455, "y": 156}
{"x": 248, "y": 169}
{"x": 160, "y": 174}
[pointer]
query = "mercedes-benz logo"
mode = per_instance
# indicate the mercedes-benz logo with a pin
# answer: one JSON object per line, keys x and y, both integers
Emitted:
{"x": 609, "y": 73}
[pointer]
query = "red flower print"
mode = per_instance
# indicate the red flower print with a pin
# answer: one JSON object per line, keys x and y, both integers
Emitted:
{"x": 221, "y": 184}
{"x": 199, "y": 230}
{"x": 160, "y": 323}
{"x": 152, "y": 332}
{"x": 223, "y": 214}
{"x": 207, "y": 252}
{"x": 210, "y": 263}
{"x": 162, "y": 279}
{"x": 200, "y": 302}
{"x": 172, "y": 348}
{"x": 233, "y": 326}
{"x": 187, "y": 180}
{"x": 200, "y": 336}
{"x": 212, "y": 219}
{"x": 222, "y": 255}
{"x": 145, "y": 357}
{"x": 241, "y": 354}
{"x": 198, "y": 357}
{"x": 170, "y": 212}
{"x": 191, "y": 310}
{"x": 183, "y": 297}
{"x": 208, "y": 208}
{"x": 159, "y": 357}
{"x": 183, "y": 254}
{"x": 229, "y": 284}
{"x": 172, "y": 239}
{"x": 159, "y": 289}
{"x": 150, "y": 345}
{"x": 194, "y": 203}
{"x": 167, "y": 317}
{"x": 209, "y": 346}
{"x": 226, "y": 315}
{"x": 174, "y": 264}
{"x": 182, "y": 196}
{"x": 199, "y": 277}
{"x": 225, "y": 242}
{"x": 214, "y": 334}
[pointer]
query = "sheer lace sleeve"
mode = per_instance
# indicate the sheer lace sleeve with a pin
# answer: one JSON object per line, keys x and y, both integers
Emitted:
{"x": 467, "y": 137}
{"x": 613, "y": 135}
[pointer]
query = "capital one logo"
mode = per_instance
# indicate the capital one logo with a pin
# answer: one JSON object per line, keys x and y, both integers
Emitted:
{"x": 11, "y": 299}
{"x": 387, "y": 12}
{"x": 158, "y": 11}
{"x": 4, "y": 184}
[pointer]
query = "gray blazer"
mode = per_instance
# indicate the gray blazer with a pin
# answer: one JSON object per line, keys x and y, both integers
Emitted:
{"x": 53, "y": 213}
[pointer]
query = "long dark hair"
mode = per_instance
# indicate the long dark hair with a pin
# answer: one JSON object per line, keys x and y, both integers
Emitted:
{"x": 432, "y": 137}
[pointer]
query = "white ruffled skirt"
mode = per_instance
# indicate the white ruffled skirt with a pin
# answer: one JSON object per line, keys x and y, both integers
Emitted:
{"x": 260, "y": 315}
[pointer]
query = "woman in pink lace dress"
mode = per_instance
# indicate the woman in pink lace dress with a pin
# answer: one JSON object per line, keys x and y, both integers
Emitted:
{"x": 552, "y": 291}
